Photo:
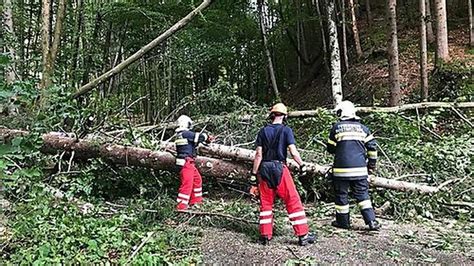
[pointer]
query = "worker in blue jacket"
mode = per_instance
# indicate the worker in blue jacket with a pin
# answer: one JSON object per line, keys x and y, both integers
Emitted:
{"x": 355, "y": 153}
{"x": 190, "y": 190}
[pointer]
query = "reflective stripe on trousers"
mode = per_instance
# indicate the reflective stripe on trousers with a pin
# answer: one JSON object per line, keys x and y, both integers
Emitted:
{"x": 286, "y": 190}
{"x": 190, "y": 190}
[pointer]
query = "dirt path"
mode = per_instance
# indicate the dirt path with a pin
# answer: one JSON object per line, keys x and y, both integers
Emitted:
{"x": 430, "y": 242}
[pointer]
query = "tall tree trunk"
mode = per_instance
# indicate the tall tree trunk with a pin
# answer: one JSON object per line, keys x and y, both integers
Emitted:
{"x": 441, "y": 31}
{"x": 429, "y": 25}
{"x": 471, "y": 24}
{"x": 423, "y": 52}
{"x": 336, "y": 76}
{"x": 323, "y": 34}
{"x": 298, "y": 35}
{"x": 394, "y": 78}
{"x": 10, "y": 41}
{"x": 261, "y": 6}
{"x": 368, "y": 12}
{"x": 355, "y": 30}
{"x": 50, "y": 51}
{"x": 344, "y": 35}
{"x": 45, "y": 43}
{"x": 76, "y": 42}
{"x": 58, "y": 30}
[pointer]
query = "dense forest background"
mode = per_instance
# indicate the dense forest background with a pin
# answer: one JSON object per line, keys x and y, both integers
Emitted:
{"x": 231, "y": 61}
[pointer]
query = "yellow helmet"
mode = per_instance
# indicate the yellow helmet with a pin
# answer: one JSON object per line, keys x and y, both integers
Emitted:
{"x": 279, "y": 108}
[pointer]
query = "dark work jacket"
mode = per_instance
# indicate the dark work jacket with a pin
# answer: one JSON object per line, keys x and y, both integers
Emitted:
{"x": 186, "y": 143}
{"x": 354, "y": 147}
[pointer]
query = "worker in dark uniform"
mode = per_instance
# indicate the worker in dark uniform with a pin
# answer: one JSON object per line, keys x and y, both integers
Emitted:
{"x": 271, "y": 177}
{"x": 355, "y": 153}
{"x": 190, "y": 190}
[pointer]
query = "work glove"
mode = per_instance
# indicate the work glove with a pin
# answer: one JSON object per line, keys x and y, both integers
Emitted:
{"x": 253, "y": 180}
{"x": 303, "y": 170}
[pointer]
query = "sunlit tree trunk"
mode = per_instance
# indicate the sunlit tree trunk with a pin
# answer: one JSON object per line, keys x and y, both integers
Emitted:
{"x": 336, "y": 77}
{"x": 10, "y": 41}
{"x": 423, "y": 52}
{"x": 50, "y": 50}
{"x": 441, "y": 31}
{"x": 45, "y": 43}
{"x": 355, "y": 30}
{"x": 261, "y": 5}
{"x": 394, "y": 79}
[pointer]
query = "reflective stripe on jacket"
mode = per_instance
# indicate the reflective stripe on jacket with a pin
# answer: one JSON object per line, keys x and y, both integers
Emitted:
{"x": 353, "y": 146}
{"x": 186, "y": 143}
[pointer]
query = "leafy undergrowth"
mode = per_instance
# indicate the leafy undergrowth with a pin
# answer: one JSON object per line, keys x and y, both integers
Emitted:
{"x": 51, "y": 219}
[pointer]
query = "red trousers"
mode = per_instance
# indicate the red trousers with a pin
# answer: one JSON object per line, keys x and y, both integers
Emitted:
{"x": 286, "y": 190}
{"x": 190, "y": 190}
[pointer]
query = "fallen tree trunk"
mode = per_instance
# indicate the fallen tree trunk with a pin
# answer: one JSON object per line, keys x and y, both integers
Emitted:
{"x": 130, "y": 156}
{"x": 237, "y": 167}
{"x": 395, "y": 109}
{"x": 246, "y": 155}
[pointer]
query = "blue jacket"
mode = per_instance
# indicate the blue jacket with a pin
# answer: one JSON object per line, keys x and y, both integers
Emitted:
{"x": 354, "y": 148}
{"x": 186, "y": 143}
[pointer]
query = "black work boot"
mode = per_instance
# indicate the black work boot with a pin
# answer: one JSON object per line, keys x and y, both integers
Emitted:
{"x": 342, "y": 226}
{"x": 374, "y": 225}
{"x": 342, "y": 221}
{"x": 264, "y": 240}
{"x": 309, "y": 238}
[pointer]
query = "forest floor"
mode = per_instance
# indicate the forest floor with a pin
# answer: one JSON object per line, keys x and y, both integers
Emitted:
{"x": 425, "y": 242}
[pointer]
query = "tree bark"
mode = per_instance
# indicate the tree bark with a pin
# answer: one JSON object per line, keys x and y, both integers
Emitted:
{"x": 50, "y": 51}
{"x": 271, "y": 70}
{"x": 323, "y": 34}
{"x": 344, "y": 36}
{"x": 161, "y": 160}
{"x": 45, "y": 43}
{"x": 355, "y": 30}
{"x": 429, "y": 26}
{"x": 336, "y": 76}
{"x": 423, "y": 52}
{"x": 246, "y": 155}
{"x": 10, "y": 41}
{"x": 441, "y": 31}
{"x": 471, "y": 24}
{"x": 396, "y": 109}
{"x": 175, "y": 28}
{"x": 394, "y": 72}
{"x": 369, "y": 12}
{"x": 58, "y": 30}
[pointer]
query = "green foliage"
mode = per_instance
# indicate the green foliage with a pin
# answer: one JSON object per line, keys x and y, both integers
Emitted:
{"x": 218, "y": 99}
{"x": 454, "y": 81}
{"x": 53, "y": 226}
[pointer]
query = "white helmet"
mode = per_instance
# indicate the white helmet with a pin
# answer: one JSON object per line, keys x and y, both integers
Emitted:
{"x": 346, "y": 110}
{"x": 184, "y": 123}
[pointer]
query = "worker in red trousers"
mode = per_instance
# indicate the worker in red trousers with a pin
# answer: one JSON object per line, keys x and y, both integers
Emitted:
{"x": 190, "y": 190}
{"x": 270, "y": 177}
